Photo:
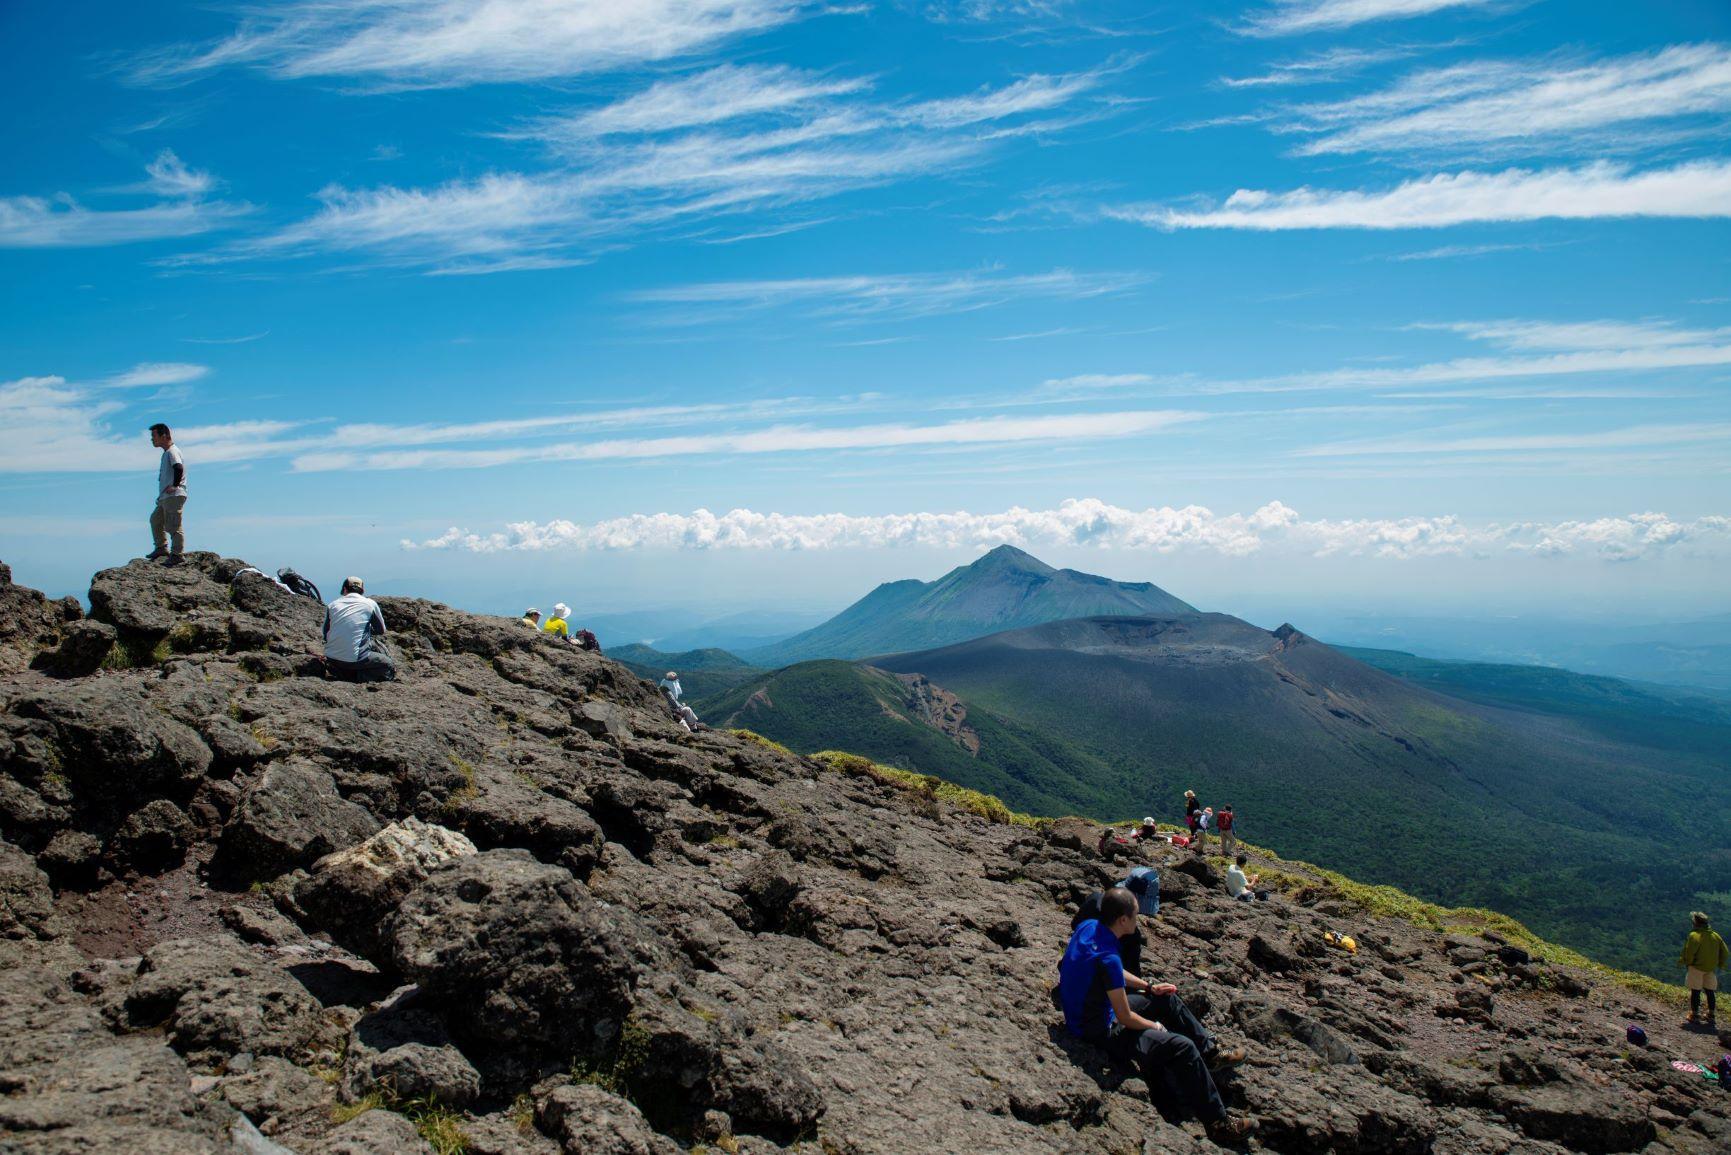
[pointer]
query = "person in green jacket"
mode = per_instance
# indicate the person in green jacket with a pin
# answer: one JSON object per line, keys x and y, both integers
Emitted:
{"x": 1704, "y": 952}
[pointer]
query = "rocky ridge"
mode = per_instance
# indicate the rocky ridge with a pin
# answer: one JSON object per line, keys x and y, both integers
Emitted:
{"x": 505, "y": 905}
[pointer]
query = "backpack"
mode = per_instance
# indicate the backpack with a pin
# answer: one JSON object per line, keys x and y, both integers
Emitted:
{"x": 1192, "y": 818}
{"x": 299, "y": 584}
{"x": 1723, "y": 1069}
{"x": 1223, "y": 821}
{"x": 586, "y": 640}
{"x": 1637, "y": 1036}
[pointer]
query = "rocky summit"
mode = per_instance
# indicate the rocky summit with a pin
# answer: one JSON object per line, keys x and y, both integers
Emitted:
{"x": 505, "y": 904}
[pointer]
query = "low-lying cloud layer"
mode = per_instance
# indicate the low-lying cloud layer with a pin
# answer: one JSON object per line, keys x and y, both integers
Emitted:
{"x": 1094, "y": 523}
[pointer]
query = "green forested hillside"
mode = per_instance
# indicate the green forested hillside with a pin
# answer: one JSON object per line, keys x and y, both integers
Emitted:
{"x": 702, "y": 673}
{"x": 1541, "y": 807}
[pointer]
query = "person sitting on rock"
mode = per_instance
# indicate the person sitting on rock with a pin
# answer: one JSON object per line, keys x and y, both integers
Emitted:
{"x": 1144, "y": 883}
{"x": 1240, "y": 886}
{"x": 1704, "y": 952}
{"x": 1148, "y": 831}
{"x": 532, "y": 618}
{"x": 672, "y": 691}
{"x": 353, "y": 627}
{"x": 558, "y": 625}
{"x": 1152, "y": 1027}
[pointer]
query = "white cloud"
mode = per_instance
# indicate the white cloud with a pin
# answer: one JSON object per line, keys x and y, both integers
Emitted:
{"x": 1700, "y": 189}
{"x": 59, "y": 221}
{"x": 1635, "y": 436}
{"x": 1318, "y": 68}
{"x": 1540, "y": 348}
{"x": 1089, "y": 522}
{"x": 730, "y": 141}
{"x": 430, "y": 43}
{"x": 158, "y": 373}
{"x": 1287, "y": 17}
{"x": 888, "y": 295}
{"x": 776, "y": 439}
{"x": 1499, "y": 106}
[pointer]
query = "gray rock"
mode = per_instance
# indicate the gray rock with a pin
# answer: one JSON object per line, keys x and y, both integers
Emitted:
{"x": 113, "y": 747}
{"x": 589, "y": 1121}
{"x": 83, "y": 648}
{"x": 407, "y": 1053}
{"x": 216, "y": 999}
{"x": 290, "y": 816}
{"x": 1581, "y": 1117}
{"x": 152, "y": 837}
{"x": 351, "y": 893}
{"x": 26, "y": 902}
{"x": 375, "y": 1132}
{"x": 71, "y": 857}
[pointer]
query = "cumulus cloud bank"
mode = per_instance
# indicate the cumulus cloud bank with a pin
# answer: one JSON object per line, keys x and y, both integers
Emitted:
{"x": 1095, "y": 523}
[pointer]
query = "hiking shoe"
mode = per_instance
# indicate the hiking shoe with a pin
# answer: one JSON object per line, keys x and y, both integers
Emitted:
{"x": 1220, "y": 1059}
{"x": 1231, "y": 1129}
{"x": 156, "y": 553}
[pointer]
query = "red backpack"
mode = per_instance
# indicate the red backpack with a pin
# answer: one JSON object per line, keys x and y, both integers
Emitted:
{"x": 1223, "y": 820}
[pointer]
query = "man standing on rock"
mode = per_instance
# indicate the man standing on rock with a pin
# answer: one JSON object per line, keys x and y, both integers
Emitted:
{"x": 353, "y": 627}
{"x": 1152, "y": 1028}
{"x": 166, "y": 525}
{"x": 1704, "y": 952}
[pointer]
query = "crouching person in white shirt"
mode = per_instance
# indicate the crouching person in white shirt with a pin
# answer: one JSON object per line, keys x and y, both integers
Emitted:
{"x": 354, "y": 633}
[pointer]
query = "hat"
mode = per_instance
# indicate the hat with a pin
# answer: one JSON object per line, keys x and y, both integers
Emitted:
{"x": 1699, "y": 917}
{"x": 354, "y": 583}
{"x": 1190, "y": 794}
{"x": 1144, "y": 883}
{"x": 672, "y": 676}
{"x": 531, "y": 612}
{"x": 1147, "y": 822}
{"x": 560, "y": 609}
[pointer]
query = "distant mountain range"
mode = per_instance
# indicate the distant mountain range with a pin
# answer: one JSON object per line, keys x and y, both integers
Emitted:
{"x": 1533, "y": 791}
{"x": 1004, "y": 590}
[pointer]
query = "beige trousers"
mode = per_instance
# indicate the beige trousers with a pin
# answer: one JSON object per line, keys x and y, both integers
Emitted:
{"x": 166, "y": 525}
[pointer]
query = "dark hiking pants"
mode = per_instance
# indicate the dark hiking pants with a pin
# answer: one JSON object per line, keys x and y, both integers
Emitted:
{"x": 1171, "y": 1061}
{"x": 375, "y": 667}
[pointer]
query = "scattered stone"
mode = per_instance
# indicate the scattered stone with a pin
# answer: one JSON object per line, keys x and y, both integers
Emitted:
{"x": 350, "y": 893}
{"x": 290, "y": 816}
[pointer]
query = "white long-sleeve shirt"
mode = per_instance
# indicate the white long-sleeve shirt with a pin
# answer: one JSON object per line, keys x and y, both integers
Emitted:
{"x": 351, "y": 623}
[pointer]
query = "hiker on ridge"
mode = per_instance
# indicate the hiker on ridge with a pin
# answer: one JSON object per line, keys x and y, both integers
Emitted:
{"x": 557, "y": 625}
{"x": 167, "y": 530}
{"x": 672, "y": 691}
{"x": 1223, "y": 822}
{"x": 532, "y": 618}
{"x": 1152, "y": 1028}
{"x": 1199, "y": 840}
{"x": 1704, "y": 952}
{"x": 353, "y": 627}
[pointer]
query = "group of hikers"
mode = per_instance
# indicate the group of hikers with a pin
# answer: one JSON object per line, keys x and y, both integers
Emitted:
{"x": 1200, "y": 819}
{"x": 559, "y": 625}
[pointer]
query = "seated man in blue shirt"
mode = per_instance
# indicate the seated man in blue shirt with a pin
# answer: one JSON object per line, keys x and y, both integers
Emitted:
{"x": 1151, "y": 1027}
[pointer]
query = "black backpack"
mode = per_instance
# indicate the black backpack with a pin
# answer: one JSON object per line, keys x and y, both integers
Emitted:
{"x": 299, "y": 584}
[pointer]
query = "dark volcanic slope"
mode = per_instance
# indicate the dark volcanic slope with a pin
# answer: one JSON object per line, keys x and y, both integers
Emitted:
{"x": 507, "y": 898}
{"x": 1325, "y": 758}
{"x": 1003, "y": 590}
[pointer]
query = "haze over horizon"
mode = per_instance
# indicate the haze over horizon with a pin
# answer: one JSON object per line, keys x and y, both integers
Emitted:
{"x": 1292, "y": 307}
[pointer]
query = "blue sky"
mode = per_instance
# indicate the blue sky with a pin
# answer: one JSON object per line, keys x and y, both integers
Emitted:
{"x": 1406, "y": 303}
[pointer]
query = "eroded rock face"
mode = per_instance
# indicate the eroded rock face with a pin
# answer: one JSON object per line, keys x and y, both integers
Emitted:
{"x": 29, "y": 622}
{"x": 665, "y": 939}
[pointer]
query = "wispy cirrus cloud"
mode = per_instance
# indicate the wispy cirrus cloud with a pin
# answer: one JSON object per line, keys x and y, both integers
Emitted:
{"x": 61, "y": 221}
{"x": 157, "y": 373}
{"x": 1700, "y": 189}
{"x": 736, "y": 141}
{"x": 1325, "y": 67}
{"x": 1499, "y": 107}
{"x": 1092, "y": 523}
{"x": 881, "y": 296}
{"x": 1291, "y": 17}
{"x": 777, "y": 439}
{"x": 1445, "y": 442}
{"x": 441, "y": 43}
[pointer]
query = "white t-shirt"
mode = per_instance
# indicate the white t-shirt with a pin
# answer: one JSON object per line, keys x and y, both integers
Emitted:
{"x": 1235, "y": 881}
{"x": 350, "y": 623}
{"x": 165, "y": 486}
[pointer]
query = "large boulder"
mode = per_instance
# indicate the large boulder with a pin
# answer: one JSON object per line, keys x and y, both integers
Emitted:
{"x": 26, "y": 903}
{"x": 375, "y": 1132}
{"x": 289, "y": 816}
{"x": 215, "y": 998}
{"x": 84, "y": 646}
{"x": 1577, "y": 1115}
{"x": 406, "y": 1052}
{"x": 520, "y": 954}
{"x": 155, "y": 835}
{"x": 587, "y": 1120}
{"x": 114, "y": 747}
{"x": 145, "y": 599}
{"x": 350, "y": 893}
{"x": 503, "y": 810}
{"x": 29, "y": 622}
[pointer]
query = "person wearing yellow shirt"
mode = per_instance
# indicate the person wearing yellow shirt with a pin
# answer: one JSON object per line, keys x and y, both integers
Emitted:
{"x": 557, "y": 625}
{"x": 1704, "y": 952}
